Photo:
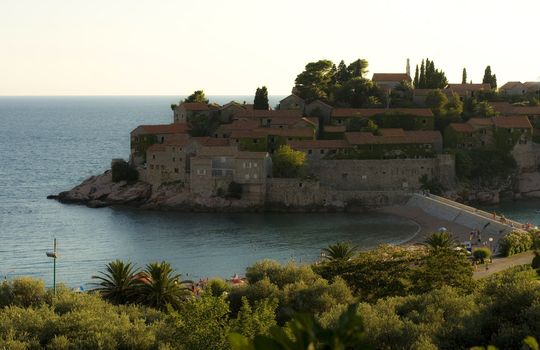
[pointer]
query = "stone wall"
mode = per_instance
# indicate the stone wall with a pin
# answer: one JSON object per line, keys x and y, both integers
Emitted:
{"x": 383, "y": 175}
{"x": 296, "y": 193}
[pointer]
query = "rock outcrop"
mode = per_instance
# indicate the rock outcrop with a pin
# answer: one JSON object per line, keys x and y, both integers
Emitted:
{"x": 100, "y": 191}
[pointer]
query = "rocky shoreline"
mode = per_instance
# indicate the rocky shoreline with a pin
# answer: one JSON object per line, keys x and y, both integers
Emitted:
{"x": 100, "y": 191}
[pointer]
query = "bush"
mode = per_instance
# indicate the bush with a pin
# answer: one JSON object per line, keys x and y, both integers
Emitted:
{"x": 515, "y": 242}
{"x": 481, "y": 254}
{"x": 23, "y": 292}
{"x": 123, "y": 171}
{"x": 279, "y": 274}
{"x": 216, "y": 287}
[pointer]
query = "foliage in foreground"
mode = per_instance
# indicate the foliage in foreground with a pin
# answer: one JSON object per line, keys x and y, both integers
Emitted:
{"x": 516, "y": 242}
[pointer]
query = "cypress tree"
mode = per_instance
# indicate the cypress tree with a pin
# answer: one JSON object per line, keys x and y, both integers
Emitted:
{"x": 416, "y": 78}
{"x": 489, "y": 78}
{"x": 342, "y": 74}
{"x": 422, "y": 80}
{"x": 464, "y": 76}
{"x": 261, "y": 99}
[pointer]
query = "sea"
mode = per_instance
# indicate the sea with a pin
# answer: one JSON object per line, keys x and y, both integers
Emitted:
{"x": 51, "y": 144}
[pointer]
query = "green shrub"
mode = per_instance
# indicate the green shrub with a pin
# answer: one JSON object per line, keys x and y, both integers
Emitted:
{"x": 481, "y": 254}
{"x": 122, "y": 171}
{"x": 515, "y": 242}
{"x": 23, "y": 291}
{"x": 279, "y": 274}
{"x": 216, "y": 287}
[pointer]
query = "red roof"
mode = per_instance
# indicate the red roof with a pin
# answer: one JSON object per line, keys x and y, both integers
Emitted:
{"x": 392, "y": 132}
{"x": 241, "y": 125}
{"x": 263, "y": 113}
{"x": 518, "y": 122}
{"x": 319, "y": 144}
{"x": 244, "y": 134}
{"x": 194, "y": 106}
{"x": 410, "y": 137}
{"x": 391, "y": 77}
{"x": 211, "y": 141}
{"x": 335, "y": 128}
{"x": 302, "y": 132}
{"x": 468, "y": 87}
{"x": 160, "y": 129}
{"x": 462, "y": 127}
{"x": 370, "y": 112}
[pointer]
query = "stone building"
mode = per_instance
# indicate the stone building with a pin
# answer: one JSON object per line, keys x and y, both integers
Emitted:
{"x": 186, "y": 110}
{"x": 467, "y": 90}
{"x": 292, "y": 102}
{"x": 144, "y": 136}
{"x": 320, "y": 110}
{"x": 513, "y": 88}
{"x": 389, "y": 81}
{"x": 319, "y": 149}
{"x": 213, "y": 169}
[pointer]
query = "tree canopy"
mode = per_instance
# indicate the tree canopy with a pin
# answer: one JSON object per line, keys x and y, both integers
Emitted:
{"x": 429, "y": 77}
{"x": 489, "y": 78}
{"x": 288, "y": 163}
{"x": 261, "y": 99}
{"x": 197, "y": 96}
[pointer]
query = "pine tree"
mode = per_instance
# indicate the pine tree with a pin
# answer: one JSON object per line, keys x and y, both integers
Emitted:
{"x": 464, "y": 76}
{"x": 422, "y": 80}
{"x": 261, "y": 99}
{"x": 416, "y": 78}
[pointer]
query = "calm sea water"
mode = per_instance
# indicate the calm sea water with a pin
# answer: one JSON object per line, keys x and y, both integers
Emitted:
{"x": 50, "y": 144}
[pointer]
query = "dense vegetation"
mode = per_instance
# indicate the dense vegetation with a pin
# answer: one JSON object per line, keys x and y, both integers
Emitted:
{"x": 387, "y": 298}
{"x": 122, "y": 171}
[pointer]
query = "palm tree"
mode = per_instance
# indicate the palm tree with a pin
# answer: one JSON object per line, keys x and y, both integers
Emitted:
{"x": 117, "y": 283}
{"x": 340, "y": 251}
{"x": 159, "y": 286}
{"x": 440, "y": 241}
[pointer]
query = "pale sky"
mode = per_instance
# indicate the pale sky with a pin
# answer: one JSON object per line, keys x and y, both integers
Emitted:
{"x": 229, "y": 47}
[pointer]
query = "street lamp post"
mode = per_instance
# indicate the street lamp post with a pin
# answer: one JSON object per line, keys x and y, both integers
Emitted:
{"x": 53, "y": 255}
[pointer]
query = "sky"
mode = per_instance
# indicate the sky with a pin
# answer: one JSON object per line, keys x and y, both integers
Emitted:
{"x": 230, "y": 47}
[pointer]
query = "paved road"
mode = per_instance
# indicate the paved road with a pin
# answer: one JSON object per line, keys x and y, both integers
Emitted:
{"x": 500, "y": 264}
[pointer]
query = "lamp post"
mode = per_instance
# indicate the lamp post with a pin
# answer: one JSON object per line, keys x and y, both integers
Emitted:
{"x": 53, "y": 255}
{"x": 491, "y": 246}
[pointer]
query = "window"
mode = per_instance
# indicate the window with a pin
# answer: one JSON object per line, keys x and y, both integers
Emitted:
{"x": 201, "y": 171}
{"x": 176, "y": 170}
{"x": 151, "y": 166}
{"x": 237, "y": 140}
{"x": 163, "y": 167}
{"x": 300, "y": 185}
{"x": 322, "y": 151}
{"x": 174, "y": 159}
{"x": 254, "y": 165}
{"x": 424, "y": 121}
{"x": 364, "y": 177}
{"x": 310, "y": 151}
{"x": 153, "y": 156}
{"x": 290, "y": 139}
{"x": 255, "y": 141}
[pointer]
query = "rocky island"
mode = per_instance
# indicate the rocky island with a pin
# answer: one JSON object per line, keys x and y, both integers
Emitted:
{"x": 331, "y": 147}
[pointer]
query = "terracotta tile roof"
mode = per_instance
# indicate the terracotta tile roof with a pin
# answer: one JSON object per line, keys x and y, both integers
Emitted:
{"x": 225, "y": 151}
{"x": 251, "y": 155}
{"x": 480, "y": 122}
{"x": 518, "y": 122}
{"x": 335, "y": 128}
{"x": 177, "y": 140}
{"x": 410, "y": 137}
{"x": 392, "y": 132}
{"x": 319, "y": 102}
{"x": 526, "y": 110}
{"x": 262, "y": 113}
{"x": 160, "y": 129}
{"x": 194, "y": 106}
{"x": 502, "y": 107}
{"x": 462, "y": 127}
{"x": 319, "y": 144}
{"x": 211, "y": 141}
{"x": 391, "y": 77}
{"x": 241, "y": 124}
{"x": 294, "y": 96}
{"x": 287, "y": 121}
{"x": 511, "y": 85}
{"x": 370, "y": 112}
{"x": 468, "y": 87}
{"x": 532, "y": 86}
{"x": 244, "y": 134}
{"x": 301, "y": 132}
